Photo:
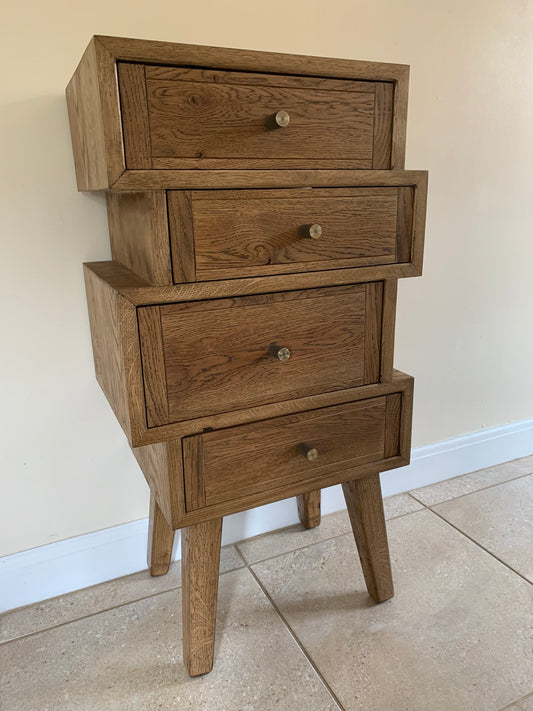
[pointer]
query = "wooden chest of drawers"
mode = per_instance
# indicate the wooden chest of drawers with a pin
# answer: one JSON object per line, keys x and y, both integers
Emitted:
{"x": 259, "y": 217}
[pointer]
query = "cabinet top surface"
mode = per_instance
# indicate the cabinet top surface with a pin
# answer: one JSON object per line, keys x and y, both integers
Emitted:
{"x": 140, "y": 50}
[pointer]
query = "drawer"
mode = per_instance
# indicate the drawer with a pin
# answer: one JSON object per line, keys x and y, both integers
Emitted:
{"x": 182, "y": 117}
{"x": 159, "y": 115}
{"x": 209, "y": 235}
{"x": 264, "y": 232}
{"x": 295, "y": 450}
{"x": 208, "y": 357}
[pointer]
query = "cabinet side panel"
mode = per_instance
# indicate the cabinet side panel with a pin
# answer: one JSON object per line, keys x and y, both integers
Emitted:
{"x": 138, "y": 230}
{"x": 86, "y": 126}
{"x": 154, "y": 464}
{"x": 104, "y": 317}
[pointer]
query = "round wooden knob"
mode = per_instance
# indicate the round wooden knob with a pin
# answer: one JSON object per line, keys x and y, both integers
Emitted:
{"x": 310, "y": 231}
{"x": 280, "y": 119}
{"x": 307, "y": 451}
{"x": 280, "y": 352}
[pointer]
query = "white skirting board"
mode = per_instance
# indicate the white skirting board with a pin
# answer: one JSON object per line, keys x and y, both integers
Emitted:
{"x": 59, "y": 568}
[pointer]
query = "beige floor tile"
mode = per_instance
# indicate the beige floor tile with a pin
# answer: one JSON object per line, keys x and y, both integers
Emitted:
{"x": 500, "y": 519}
{"x": 399, "y": 505}
{"x": 461, "y": 485}
{"x": 130, "y": 658}
{"x": 288, "y": 539}
{"x": 525, "y": 704}
{"x": 522, "y": 705}
{"x": 454, "y": 637}
{"x": 89, "y": 601}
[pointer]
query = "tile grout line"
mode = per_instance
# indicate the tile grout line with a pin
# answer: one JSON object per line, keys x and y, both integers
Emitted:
{"x": 107, "y": 609}
{"x": 91, "y": 614}
{"x": 175, "y": 587}
{"x": 493, "y": 555}
{"x": 460, "y": 496}
{"x": 428, "y": 507}
{"x": 517, "y": 701}
{"x": 293, "y": 634}
{"x": 308, "y": 545}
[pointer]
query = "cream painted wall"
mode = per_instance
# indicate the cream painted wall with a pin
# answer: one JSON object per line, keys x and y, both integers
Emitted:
{"x": 464, "y": 329}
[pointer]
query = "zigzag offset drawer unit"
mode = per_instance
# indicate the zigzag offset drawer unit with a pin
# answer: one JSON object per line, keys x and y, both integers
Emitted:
{"x": 260, "y": 217}
{"x": 188, "y": 236}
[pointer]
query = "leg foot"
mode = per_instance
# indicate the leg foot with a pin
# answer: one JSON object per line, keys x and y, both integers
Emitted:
{"x": 309, "y": 508}
{"x": 160, "y": 540}
{"x": 200, "y": 558}
{"x": 365, "y": 506}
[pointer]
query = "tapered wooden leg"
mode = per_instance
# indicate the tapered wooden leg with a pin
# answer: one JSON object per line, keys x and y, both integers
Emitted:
{"x": 309, "y": 509}
{"x": 200, "y": 558}
{"x": 160, "y": 540}
{"x": 365, "y": 506}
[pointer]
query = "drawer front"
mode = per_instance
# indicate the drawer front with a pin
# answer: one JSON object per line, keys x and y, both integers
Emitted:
{"x": 176, "y": 117}
{"x": 204, "y": 358}
{"x": 268, "y": 232}
{"x": 267, "y": 456}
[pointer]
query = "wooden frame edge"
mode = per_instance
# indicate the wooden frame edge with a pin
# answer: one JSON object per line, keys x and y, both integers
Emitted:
{"x": 399, "y": 120}
{"x": 111, "y": 115}
{"x": 138, "y": 50}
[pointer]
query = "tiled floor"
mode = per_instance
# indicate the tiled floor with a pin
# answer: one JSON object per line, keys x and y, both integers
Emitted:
{"x": 296, "y": 629}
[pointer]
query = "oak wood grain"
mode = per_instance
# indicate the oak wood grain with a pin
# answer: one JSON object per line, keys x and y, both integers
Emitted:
{"x": 160, "y": 540}
{"x": 383, "y": 118}
{"x": 86, "y": 123}
{"x": 210, "y": 370}
{"x": 162, "y": 463}
{"x": 172, "y": 471}
{"x": 254, "y": 79}
{"x": 419, "y": 224}
{"x": 200, "y": 559}
{"x": 238, "y": 236}
{"x": 373, "y": 331}
{"x": 365, "y": 507}
{"x": 265, "y": 455}
{"x": 325, "y": 175}
{"x": 193, "y": 457}
{"x": 138, "y": 231}
{"x": 390, "y": 290}
{"x": 169, "y": 53}
{"x": 393, "y": 414}
{"x": 309, "y": 508}
{"x": 112, "y": 120}
{"x": 154, "y": 463}
{"x": 129, "y": 399}
{"x": 105, "y": 312}
{"x": 289, "y": 490}
{"x": 104, "y": 166}
{"x": 134, "y": 112}
{"x": 211, "y": 119}
{"x": 154, "y": 367}
{"x": 180, "y": 220}
{"x": 399, "y": 119}
{"x": 219, "y": 423}
{"x": 162, "y": 466}
{"x": 140, "y": 293}
{"x": 214, "y": 165}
